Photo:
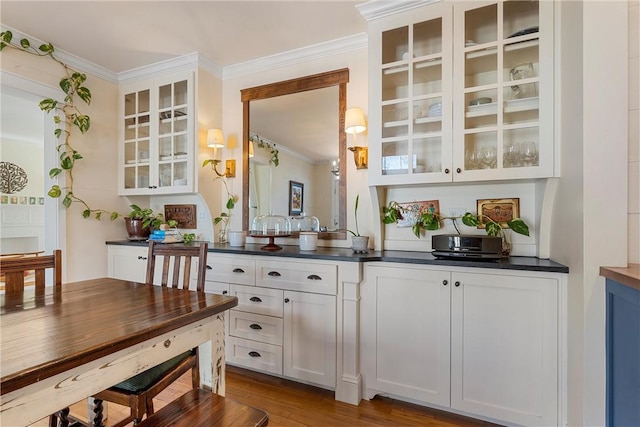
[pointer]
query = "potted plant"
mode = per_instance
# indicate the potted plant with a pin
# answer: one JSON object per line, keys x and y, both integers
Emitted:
{"x": 431, "y": 221}
{"x": 359, "y": 244}
{"x": 140, "y": 222}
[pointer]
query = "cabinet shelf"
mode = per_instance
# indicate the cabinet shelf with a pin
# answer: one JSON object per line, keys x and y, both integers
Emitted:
{"x": 481, "y": 50}
{"x": 426, "y": 63}
{"x": 403, "y": 68}
{"x": 515, "y": 105}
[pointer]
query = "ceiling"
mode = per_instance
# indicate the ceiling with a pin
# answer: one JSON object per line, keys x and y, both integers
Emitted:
{"x": 123, "y": 35}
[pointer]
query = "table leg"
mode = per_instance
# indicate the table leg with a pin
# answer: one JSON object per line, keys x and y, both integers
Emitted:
{"x": 97, "y": 413}
{"x": 217, "y": 355}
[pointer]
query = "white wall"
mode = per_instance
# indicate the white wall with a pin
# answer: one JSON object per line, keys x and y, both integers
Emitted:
{"x": 95, "y": 175}
{"x": 590, "y": 218}
{"x": 634, "y": 131}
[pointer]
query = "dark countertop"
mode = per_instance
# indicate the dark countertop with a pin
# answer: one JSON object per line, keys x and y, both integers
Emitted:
{"x": 410, "y": 257}
{"x": 628, "y": 276}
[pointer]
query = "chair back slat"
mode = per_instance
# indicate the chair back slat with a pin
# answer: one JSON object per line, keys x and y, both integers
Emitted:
{"x": 182, "y": 256}
{"x": 14, "y": 269}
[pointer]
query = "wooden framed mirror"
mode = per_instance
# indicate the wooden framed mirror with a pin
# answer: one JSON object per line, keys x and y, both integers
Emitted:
{"x": 308, "y": 92}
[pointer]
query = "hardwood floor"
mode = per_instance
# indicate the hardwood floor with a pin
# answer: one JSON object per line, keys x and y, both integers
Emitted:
{"x": 291, "y": 404}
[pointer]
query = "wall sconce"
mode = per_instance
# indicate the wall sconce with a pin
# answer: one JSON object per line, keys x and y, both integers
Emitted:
{"x": 354, "y": 124}
{"x": 215, "y": 140}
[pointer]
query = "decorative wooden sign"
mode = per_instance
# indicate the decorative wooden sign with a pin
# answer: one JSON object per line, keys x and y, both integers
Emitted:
{"x": 499, "y": 210}
{"x": 184, "y": 214}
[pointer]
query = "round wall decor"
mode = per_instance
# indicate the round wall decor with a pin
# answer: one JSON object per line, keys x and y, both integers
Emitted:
{"x": 12, "y": 178}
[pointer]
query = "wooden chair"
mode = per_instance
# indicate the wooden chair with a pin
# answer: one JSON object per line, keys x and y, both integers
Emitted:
{"x": 138, "y": 392}
{"x": 14, "y": 268}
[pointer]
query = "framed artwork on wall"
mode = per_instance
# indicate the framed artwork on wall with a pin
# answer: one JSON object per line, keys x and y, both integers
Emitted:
{"x": 499, "y": 210}
{"x": 296, "y": 197}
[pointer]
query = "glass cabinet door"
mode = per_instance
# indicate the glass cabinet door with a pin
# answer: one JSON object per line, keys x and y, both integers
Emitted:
{"x": 415, "y": 98}
{"x": 137, "y": 140}
{"x": 173, "y": 112}
{"x": 499, "y": 84}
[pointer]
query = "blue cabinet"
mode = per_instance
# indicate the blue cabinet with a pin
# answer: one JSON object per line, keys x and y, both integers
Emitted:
{"x": 623, "y": 355}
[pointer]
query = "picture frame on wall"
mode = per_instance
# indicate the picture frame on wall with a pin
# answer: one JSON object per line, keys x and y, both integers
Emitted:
{"x": 499, "y": 210}
{"x": 296, "y": 197}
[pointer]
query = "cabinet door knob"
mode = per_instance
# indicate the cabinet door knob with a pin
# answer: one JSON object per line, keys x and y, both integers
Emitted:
{"x": 458, "y": 170}
{"x": 238, "y": 270}
{"x": 314, "y": 277}
{"x": 286, "y": 300}
{"x": 142, "y": 257}
{"x": 254, "y": 354}
{"x": 225, "y": 292}
{"x": 445, "y": 282}
{"x": 209, "y": 267}
{"x": 274, "y": 274}
{"x": 446, "y": 170}
{"x": 255, "y": 299}
{"x": 255, "y": 326}
{"x": 457, "y": 284}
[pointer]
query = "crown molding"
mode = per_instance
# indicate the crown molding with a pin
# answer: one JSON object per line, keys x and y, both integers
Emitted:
{"x": 73, "y": 61}
{"x": 296, "y": 56}
{"x": 189, "y": 61}
{"x": 375, "y": 9}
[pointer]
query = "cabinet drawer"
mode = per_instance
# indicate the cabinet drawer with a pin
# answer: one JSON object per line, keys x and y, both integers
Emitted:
{"x": 255, "y": 355}
{"x": 255, "y": 327}
{"x": 239, "y": 269}
{"x": 258, "y": 300}
{"x": 216, "y": 288}
{"x": 298, "y": 276}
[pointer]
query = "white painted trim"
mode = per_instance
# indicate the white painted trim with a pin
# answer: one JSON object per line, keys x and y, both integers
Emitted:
{"x": 375, "y": 9}
{"x": 297, "y": 56}
{"x": 189, "y": 61}
{"x": 546, "y": 218}
{"x": 55, "y": 212}
{"x": 72, "y": 60}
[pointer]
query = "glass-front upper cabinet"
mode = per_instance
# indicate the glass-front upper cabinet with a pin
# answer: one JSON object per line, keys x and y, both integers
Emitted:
{"x": 503, "y": 102}
{"x": 461, "y": 91}
{"x": 158, "y": 136}
{"x": 410, "y": 123}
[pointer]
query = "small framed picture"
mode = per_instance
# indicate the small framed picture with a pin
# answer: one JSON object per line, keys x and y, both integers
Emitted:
{"x": 14, "y": 200}
{"x": 412, "y": 211}
{"x": 41, "y": 200}
{"x": 23, "y": 200}
{"x": 499, "y": 210}
{"x": 4, "y": 200}
{"x": 32, "y": 200}
{"x": 296, "y": 197}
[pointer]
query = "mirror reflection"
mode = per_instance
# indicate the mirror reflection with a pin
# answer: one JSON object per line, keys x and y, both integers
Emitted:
{"x": 301, "y": 121}
{"x": 303, "y": 127}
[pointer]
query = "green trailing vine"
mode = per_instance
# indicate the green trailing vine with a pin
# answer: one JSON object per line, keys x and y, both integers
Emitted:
{"x": 67, "y": 116}
{"x": 431, "y": 221}
{"x": 273, "y": 151}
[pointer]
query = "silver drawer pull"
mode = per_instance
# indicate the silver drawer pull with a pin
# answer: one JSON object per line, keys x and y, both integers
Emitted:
{"x": 238, "y": 270}
{"x": 254, "y": 354}
{"x": 314, "y": 277}
{"x": 255, "y": 326}
{"x": 209, "y": 267}
{"x": 255, "y": 299}
{"x": 274, "y": 274}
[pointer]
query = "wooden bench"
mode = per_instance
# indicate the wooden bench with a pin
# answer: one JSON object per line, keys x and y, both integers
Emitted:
{"x": 198, "y": 407}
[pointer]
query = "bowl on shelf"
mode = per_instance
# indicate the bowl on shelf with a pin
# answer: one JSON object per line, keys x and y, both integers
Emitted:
{"x": 480, "y": 101}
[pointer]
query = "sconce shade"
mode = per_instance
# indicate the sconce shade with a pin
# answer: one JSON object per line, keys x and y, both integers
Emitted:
{"x": 215, "y": 138}
{"x": 354, "y": 121}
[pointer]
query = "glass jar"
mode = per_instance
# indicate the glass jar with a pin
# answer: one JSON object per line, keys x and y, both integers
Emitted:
{"x": 304, "y": 222}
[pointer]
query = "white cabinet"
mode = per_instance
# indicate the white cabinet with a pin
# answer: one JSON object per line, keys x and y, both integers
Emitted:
{"x": 310, "y": 337}
{"x": 444, "y": 103}
{"x": 285, "y": 320}
{"x": 502, "y": 337}
{"x": 157, "y": 136}
{"x": 127, "y": 262}
{"x": 405, "y": 332}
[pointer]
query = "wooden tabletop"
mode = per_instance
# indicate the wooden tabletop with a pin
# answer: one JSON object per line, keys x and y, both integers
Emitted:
{"x": 629, "y": 275}
{"x": 44, "y": 335}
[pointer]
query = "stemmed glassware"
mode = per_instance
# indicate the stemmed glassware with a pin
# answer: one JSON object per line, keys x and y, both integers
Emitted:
{"x": 489, "y": 158}
{"x": 529, "y": 153}
{"x": 511, "y": 155}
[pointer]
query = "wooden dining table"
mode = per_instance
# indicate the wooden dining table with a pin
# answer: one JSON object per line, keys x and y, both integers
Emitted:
{"x": 59, "y": 348}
